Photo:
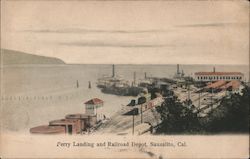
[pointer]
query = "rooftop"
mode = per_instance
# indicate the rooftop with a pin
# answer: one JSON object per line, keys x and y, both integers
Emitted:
{"x": 46, "y": 129}
{"x": 219, "y": 73}
{"x": 216, "y": 84}
{"x": 233, "y": 84}
{"x": 94, "y": 101}
{"x": 78, "y": 116}
{"x": 62, "y": 122}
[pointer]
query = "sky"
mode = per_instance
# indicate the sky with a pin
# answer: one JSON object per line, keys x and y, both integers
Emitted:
{"x": 129, "y": 32}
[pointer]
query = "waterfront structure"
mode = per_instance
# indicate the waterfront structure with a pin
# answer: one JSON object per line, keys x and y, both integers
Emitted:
{"x": 216, "y": 76}
{"x": 91, "y": 107}
{"x": 71, "y": 126}
{"x": 84, "y": 121}
{"x": 73, "y": 123}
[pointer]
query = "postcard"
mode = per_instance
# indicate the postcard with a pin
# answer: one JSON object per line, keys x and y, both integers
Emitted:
{"x": 124, "y": 79}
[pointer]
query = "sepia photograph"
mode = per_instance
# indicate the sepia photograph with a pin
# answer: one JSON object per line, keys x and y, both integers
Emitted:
{"x": 124, "y": 79}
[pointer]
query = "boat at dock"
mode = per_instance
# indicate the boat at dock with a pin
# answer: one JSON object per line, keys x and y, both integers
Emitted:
{"x": 117, "y": 85}
{"x": 122, "y": 91}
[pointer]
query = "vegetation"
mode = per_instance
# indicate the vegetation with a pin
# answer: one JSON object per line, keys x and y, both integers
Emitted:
{"x": 177, "y": 117}
{"x": 231, "y": 116}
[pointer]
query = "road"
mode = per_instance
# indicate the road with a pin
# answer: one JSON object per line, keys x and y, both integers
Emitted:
{"x": 120, "y": 123}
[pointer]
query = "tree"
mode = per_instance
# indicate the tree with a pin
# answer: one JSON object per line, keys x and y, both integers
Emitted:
{"x": 177, "y": 118}
{"x": 232, "y": 115}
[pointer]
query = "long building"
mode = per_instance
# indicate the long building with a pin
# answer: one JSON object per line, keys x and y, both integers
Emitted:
{"x": 216, "y": 76}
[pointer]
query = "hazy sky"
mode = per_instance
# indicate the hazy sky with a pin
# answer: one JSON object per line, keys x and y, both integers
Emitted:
{"x": 160, "y": 32}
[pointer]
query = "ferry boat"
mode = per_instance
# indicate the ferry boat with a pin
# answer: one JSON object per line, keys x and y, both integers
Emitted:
{"x": 117, "y": 85}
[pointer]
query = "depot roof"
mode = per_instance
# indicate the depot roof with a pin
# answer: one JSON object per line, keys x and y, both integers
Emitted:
{"x": 219, "y": 73}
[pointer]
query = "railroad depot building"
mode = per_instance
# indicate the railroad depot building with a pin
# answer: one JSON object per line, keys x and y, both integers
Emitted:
{"x": 216, "y": 76}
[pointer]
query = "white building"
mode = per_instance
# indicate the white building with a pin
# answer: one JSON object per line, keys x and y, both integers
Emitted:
{"x": 93, "y": 107}
{"x": 216, "y": 76}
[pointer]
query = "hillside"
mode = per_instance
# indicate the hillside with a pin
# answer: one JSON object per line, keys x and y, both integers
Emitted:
{"x": 11, "y": 57}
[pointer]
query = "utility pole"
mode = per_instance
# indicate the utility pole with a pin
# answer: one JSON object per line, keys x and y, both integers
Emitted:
{"x": 212, "y": 98}
{"x": 141, "y": 101}
{"x": 141, "y": 113}
{"x": 199, "y": 106}
{"x": 188, "y": 92}
{"x": 133, "y": 129}
{"x": 188, "y": 87}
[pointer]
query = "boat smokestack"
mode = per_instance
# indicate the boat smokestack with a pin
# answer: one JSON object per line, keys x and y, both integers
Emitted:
{"x": 113, "y": 70}
{"x": 178, "y": 69}
{"x": 145, "y": 75}
{"x": 134, "y": 78}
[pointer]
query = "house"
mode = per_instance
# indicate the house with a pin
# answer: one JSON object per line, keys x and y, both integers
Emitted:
{"x": 93, "y": 107}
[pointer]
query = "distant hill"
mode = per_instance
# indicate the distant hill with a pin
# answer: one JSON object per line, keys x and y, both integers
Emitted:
{"x": 11, "y": 57}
